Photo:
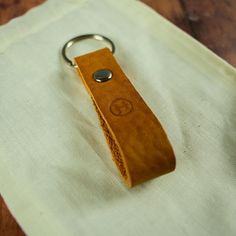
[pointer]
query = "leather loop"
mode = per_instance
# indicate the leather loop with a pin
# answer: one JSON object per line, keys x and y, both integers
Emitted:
{"x": 139, "y": 145}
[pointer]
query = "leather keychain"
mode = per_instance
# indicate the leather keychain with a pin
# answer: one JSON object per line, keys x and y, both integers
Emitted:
{"x": 139, "y": 145}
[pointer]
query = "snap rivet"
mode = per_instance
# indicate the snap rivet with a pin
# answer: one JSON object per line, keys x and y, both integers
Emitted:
{"x": 102, "y": 75}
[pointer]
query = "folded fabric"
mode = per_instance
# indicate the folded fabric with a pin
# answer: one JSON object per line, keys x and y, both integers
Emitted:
{"x": 56, "y": 172}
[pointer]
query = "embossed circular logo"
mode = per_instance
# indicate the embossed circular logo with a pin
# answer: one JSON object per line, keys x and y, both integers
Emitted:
{"x": 121, "y": 107}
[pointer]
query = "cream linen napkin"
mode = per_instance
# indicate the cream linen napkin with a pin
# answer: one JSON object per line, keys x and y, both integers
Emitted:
{"x": 56, "y": 172}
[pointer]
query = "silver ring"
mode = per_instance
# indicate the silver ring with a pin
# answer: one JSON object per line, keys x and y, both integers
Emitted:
{"x": 72, "y": 41}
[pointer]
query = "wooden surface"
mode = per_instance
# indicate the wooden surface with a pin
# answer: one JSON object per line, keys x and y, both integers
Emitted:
{"x": 212, "y": 22}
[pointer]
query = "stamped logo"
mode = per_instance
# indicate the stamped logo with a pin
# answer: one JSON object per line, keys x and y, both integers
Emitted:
{"x": 121, "y": 107}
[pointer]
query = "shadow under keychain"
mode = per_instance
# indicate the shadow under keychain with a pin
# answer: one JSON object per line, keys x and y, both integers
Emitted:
{"x": 139, "y": 145}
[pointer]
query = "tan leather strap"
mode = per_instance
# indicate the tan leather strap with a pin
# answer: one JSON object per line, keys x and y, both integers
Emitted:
{"x": 139, "y": 145}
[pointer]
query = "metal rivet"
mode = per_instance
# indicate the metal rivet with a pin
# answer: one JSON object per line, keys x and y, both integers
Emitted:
{"x": 102, "y": 75}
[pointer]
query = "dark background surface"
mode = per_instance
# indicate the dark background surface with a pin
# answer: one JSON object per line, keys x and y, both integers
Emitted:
{"x": 212, "y": 22}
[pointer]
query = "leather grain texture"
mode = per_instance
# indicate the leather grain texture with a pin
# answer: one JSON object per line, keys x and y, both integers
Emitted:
{"x": 139, "y": 145}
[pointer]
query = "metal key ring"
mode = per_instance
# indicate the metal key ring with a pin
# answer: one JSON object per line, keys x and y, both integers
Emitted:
{"x": 72, "y": 41}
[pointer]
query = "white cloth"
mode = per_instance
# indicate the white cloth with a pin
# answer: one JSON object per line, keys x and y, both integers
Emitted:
{"x": 56, "y": 172}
